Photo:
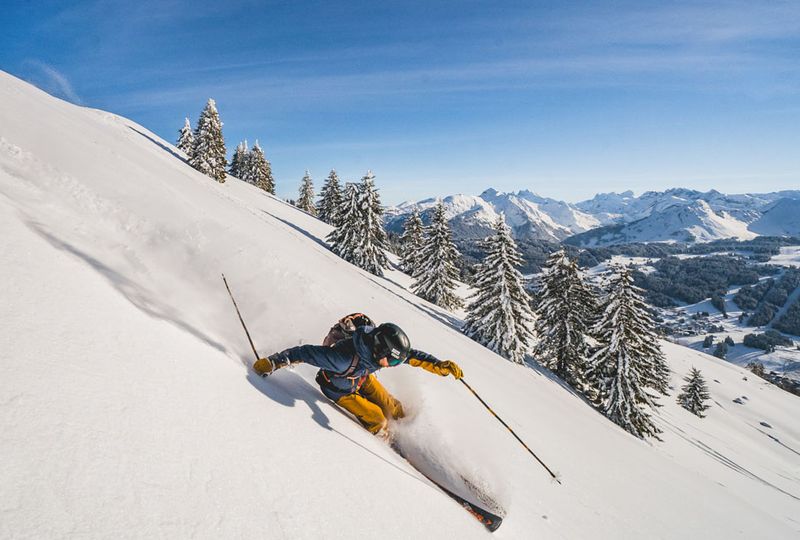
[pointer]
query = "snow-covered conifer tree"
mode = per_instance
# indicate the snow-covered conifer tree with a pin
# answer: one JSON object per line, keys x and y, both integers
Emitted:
{"x": 629, "y": 366}
{"x": 208, "y": 154}
{"x": 259, "y": 171}
{"x": 330, "y": 199}
{"x": 499, "y": 316}
{"x": 359, "y": 237}
{"x": 238, "y": 166}
{"x": 373, "y": 239}
{"x": 343, "y": 238}
{"x": 694, "y": 393}
{"x": 411, "y": 242}
{"x": 306, "y": 199}
{"x": 436, "y": 273}
{"x": 186, "y": 139}
{"x": 565, "y": 311}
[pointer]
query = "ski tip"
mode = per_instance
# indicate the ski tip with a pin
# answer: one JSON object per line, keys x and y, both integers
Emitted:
{"x": 489, "y": 520}
{"x": 494, "y": 524}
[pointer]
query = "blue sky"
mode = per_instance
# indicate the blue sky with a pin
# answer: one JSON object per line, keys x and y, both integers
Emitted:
{"x": 566, "y": 99}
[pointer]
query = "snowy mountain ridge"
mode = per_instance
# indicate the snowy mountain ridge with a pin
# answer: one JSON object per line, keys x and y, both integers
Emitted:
{"x": 695, "y": 222}
{"x": 528, "y": 215}
{"x": 676, "y": 214}
{"x": 128, "y": 407}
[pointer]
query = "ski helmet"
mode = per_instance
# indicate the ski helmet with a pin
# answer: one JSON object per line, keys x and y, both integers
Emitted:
{"x": 391, "y": 342}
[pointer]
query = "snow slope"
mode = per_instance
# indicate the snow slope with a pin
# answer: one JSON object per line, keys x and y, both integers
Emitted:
{"x": 127, "y": 409}
{"x": 780, "y": 219}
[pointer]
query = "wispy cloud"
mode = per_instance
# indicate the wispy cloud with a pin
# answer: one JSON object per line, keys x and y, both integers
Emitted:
{"x": 52, "y": 81}
{"x": 727, "y": 71}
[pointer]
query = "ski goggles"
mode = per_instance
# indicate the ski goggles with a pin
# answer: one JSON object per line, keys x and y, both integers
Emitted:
{"x": 393, "y": 356}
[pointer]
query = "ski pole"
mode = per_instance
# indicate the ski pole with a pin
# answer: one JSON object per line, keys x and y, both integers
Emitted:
{"x": 474, "y": 393}
{"x": 240, "y": 317}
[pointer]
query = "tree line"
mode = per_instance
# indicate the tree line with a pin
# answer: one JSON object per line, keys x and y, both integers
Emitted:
{"x": 205, "y": 151}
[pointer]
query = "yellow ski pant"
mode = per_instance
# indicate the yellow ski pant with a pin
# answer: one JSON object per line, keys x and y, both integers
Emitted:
{"x": 372, "y": 405}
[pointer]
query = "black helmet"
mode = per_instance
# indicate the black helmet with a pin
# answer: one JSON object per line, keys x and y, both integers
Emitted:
{"x": 390, "y": 341}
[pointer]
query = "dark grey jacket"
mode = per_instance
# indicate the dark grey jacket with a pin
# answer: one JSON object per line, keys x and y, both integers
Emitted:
{"x": 345, "y": 366}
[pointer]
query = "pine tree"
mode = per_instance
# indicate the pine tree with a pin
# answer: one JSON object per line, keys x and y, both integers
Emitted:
{"x": 373, "y": 240}
{"x": 330, "y": 199}
{"x": 208, "y": 154}
{"x": 565, "y": 311}
{"x": 259, "y": 171}
{"x": 343, "y": 238}
{"x": 436, "y": 274}
{"x": 238, "y": 166}
{"x": 306, "y": 199}
{"x": 629, "y": 365}
{"x": 359, "y": 236}
{"x": 694, "y": 393}
{"x": 499, "y": 315}
{"x": 411, "y": 242}
{"x": 186, "y": 139}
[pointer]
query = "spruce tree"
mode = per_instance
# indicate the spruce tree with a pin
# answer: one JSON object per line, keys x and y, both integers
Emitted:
{"x": 499, "y": 315}
{"x": 330, "y": 199}
{"x": 343, "y": 238}
{"x": 259, "y": 171}
{"x": 306, "y": 199}
{"x": 186, "y": 139}
{"x": 565, "y": 311}
{"x": 629, "y": 366}
{"x": 373, "y": 239}
{"x": 208, "y": 154}
{"x": 694, "y": 393}
{"x": 238, "y": 166}
{"x": 436, "y": 273}
{"x": 411, "y": 242}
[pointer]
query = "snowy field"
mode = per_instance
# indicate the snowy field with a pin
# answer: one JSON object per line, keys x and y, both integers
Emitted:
{"x": 789, "y": 256}
{"x": 641, "y": 263}
{"x": 127, "y": 409}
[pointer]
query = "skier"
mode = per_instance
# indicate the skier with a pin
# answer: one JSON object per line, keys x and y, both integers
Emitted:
{"x": 347, "y": 367}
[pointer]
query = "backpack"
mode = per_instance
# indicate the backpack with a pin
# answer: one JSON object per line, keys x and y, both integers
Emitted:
{"x": 345, "y": 327}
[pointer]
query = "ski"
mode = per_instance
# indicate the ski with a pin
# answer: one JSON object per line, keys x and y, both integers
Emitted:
{"x": 488, "y": 519}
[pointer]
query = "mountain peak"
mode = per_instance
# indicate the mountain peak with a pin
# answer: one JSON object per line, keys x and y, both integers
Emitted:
{"x": 489, "y": 194}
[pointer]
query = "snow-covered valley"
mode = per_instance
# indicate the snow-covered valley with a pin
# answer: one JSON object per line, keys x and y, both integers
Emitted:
{"x": 128, "y": 409}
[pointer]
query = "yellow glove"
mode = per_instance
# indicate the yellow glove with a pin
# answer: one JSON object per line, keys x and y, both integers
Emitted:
{"x": 448, "y": 367}
{"x": 440, "y": 368}
{"x": 263, "y": 366}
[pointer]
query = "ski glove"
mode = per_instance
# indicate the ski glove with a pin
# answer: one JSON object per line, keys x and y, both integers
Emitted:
{"x": 439, "y": 368}
{"x": 265, "y": 366}
{"x": 449, "y": 367}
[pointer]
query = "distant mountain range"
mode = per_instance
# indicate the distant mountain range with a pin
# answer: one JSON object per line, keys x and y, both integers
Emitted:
{"x": 674, "y": 215}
